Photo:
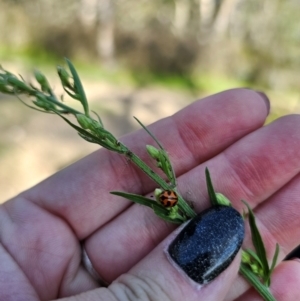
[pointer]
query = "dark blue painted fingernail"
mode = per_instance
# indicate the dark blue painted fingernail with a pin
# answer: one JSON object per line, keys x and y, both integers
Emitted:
{"x": 208, "y": 243}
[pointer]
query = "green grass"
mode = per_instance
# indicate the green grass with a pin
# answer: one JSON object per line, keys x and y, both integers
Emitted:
{"x": 32, "y": 56}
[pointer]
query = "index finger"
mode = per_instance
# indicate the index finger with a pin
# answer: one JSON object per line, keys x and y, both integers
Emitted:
{"x": 80, "y": 193}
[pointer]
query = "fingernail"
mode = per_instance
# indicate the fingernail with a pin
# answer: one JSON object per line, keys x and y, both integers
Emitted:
{"x": 208, "y": 243}
{"x": 265, "y": 98}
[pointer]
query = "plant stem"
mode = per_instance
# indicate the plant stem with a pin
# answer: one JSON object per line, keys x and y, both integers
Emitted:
{"x": 70, "y": 110}
{"x": 184, "y": 207}
{"x": 254, "y": 281}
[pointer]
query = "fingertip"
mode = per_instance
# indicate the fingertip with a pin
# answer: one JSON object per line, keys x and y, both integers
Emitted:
{"x": 207, "y": 245}
{"x": 262, "y": 95}
{"x": 188, "y": 265}
{"x": 265, "y": 99}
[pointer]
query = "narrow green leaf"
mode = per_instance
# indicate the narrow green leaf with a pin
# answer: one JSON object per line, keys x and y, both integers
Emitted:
{"x": 158, "y": 210}
{"x": 255, "y": 282}
{"x": 90, "y": 137}
{"x": 162, "y": 157}
{"x": 254, "y": 257}
{"x": 99, "y": 119}
{"x": 77, "y": 128}
{"x": 153, "y": 137}
{"x": 274, "y": 260}
{"x": 79, "y": 87}
{"x": 31, "y": 107}
{"x": 275, "y": 257}
{"x": 72, "y": 95}
{"x": 210, "y": 189}
{"x": 258, "y": 242}
{"x": 136, "y": 198}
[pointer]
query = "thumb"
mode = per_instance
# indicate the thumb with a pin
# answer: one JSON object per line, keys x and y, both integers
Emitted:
{"x": 197, "y": 262}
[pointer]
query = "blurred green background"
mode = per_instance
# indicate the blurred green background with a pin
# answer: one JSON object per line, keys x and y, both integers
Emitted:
{"x": 146, "y": 58}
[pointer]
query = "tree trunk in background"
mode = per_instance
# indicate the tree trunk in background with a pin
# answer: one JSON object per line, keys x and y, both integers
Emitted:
{"x": 87, "y": 12}
{"x": 105, "y": 41}
{"x": 181, "y": 16}
{"x": 214, "y": 20}
{"x": 206, "y": 10}
{"x": 99, "y": 14}
{"x": 222, "y": 19}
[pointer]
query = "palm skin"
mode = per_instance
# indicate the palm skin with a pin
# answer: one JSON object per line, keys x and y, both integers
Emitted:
{"x": 42, "y": 229}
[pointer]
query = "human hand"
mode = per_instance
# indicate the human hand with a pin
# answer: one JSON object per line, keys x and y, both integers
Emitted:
{"x": 41, "y": 230}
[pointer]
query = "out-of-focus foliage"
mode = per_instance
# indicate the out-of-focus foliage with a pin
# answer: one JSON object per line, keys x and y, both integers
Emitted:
{"x": 256, "y": 41}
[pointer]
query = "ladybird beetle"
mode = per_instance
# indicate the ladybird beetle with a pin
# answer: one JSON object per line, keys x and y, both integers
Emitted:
{"x": 168, "y": 198}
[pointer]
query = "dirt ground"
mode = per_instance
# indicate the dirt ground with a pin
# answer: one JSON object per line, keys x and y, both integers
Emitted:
{"x": 33, "y": 145}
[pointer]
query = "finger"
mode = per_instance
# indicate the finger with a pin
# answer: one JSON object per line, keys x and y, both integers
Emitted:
{"x": 11, "y": 279}
{"x": 284, "y": 286}
{"x": 253, "y": 169}
{"x": 80, "y": 193}
{"x": 267, "y": 176}
{"x": 278, "y": 221}
{"x": 198, "y": 262}
{"x": 41, "y": 252}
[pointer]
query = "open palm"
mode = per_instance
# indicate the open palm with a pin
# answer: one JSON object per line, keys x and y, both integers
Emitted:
{"x": 42, "y": 229}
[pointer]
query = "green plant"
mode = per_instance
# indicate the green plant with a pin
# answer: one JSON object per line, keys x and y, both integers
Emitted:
{"x": 254, "y": 266}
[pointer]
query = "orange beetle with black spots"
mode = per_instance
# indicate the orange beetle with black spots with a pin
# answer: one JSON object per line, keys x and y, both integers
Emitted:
{"x": 168, "y": 198}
